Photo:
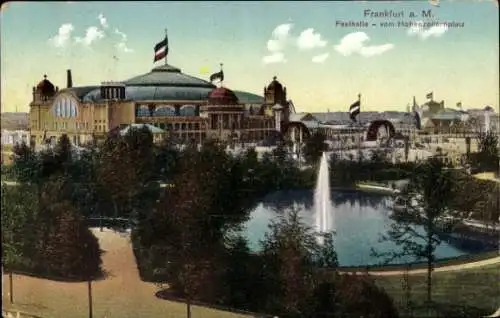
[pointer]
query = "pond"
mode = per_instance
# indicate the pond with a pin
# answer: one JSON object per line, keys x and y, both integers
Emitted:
{"x": 359, "y": 220}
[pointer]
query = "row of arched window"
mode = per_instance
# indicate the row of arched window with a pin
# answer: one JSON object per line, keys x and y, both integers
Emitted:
{"x": 163, "y": 111}
{"x": 65, "y": 107}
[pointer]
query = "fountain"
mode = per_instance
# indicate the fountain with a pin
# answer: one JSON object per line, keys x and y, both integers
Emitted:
{"x": 323, "y": 216}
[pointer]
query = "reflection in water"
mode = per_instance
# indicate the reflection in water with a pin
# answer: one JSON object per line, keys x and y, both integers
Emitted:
{"x": 360, "y": 219}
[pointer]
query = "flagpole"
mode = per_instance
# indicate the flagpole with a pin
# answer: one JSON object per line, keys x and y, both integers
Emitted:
{"x": 166, "y": 39}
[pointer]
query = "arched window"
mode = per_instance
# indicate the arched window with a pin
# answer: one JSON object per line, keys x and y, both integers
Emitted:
{"x": 65, "y": 107}
{"x": 143, "y": 111}
{"x": 188, "y": 110}
{"x": 164, "y": 110}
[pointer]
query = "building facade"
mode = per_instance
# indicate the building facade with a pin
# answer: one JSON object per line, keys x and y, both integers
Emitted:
{"x": 182, "y": 107}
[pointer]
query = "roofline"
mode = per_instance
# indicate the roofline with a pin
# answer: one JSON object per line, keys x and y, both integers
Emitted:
{"x": 170, "y": 85}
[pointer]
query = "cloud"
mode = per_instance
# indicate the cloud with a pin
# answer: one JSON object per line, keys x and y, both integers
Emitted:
{"x": 276, "y": 57}
{"x": 280, "y": 37}
{"x": 122, "y": 44}
{"x": 63, "y": 35}
{"x": 102, "y": 20}
{"x": 91, "y": 35}
{"x": 121, "y": 34}
{"x": 355, "y": 43}
{"x": 309, "y": 40}
{"x": 425, "y": 33}
{"x": 320, "y": 58}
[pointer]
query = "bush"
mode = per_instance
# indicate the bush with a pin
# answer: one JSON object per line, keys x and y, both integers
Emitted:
{"x": 391, "y": 174}
{"x": 359, "y": 296}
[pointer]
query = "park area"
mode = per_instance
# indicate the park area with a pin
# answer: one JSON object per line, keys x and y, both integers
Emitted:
{"x": 121, "y": 293}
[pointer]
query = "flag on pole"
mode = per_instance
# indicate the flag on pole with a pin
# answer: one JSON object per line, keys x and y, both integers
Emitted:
{"x": 161, "y": 49}
{"x": 217, "y": 76}
{"x": 459, "y": 105}
{"x": 430, "y": 95}
{"x": 354, "y": 110}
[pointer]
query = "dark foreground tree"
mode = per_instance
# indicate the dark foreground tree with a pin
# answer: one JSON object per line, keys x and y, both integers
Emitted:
{"x": 426, "y": 202}
{"x": 189, "y": 239}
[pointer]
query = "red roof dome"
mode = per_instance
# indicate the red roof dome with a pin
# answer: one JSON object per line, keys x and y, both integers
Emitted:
{"x": 222, "y": 96}
{"x": 46, "y": 87}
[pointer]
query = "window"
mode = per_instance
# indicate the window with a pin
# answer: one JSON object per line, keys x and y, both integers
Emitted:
{"x": 65, "y": 107}
{"x": 188, "y": 110}
{"x": 143, "y": 111}
{"x": 164, "y": 111}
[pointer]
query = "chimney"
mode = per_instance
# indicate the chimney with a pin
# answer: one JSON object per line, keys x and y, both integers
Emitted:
{"x": 69, "y": 79}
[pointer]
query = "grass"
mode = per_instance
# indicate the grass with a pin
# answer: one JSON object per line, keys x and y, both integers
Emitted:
{"x": 466, "y": 293}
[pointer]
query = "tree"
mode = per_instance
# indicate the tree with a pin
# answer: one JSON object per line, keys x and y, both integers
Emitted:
{"x": 18, "y": 221}
{"x": 71, "y": 250}
{"x": 326, "y": 255}
{"x": 314, "y": 147}
{"x": 26, "y": 164}
{"x": 289, "y": 251}
{"x": 427, "y": 199}
{"x": 488, "y": 156}
{"x": 185, "y": 230}
{"x": 124, "y": 170}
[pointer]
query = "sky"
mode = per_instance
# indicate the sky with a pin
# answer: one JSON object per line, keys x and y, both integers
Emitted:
{"x": 323, "y": 64}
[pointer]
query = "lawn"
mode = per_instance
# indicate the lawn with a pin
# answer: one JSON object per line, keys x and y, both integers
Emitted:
{"x": 465, "y": 293}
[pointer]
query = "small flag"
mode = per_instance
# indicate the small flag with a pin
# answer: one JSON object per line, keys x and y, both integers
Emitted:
{"x": 217, "y": 76}
{"x": 354, "y": 110}
{"x": 459, "y": 105}
{"x": 430, "y": 95}
{"x": 161, "y": 49}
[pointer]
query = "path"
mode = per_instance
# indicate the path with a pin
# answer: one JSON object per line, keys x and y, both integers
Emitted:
{"x": 487, "y": 176}
{"x": 122, "y": 294}
{"x": 446, "y": 268}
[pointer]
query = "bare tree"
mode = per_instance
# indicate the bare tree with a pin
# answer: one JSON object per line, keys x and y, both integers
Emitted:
{"x": 423, "y": 217}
